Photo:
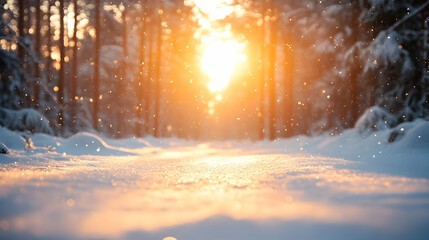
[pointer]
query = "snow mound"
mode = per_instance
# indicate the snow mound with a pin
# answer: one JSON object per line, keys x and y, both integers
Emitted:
{"x": 25, "y": 120}
{"x": 12, "y": 139}
{"x": 130, "y": 143}
{"x": 374, "y": 119}
{"x": 84, "y": 143}
{"x": 417, "y": 136}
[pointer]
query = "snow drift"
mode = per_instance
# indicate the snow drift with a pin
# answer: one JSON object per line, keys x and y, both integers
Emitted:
{"x": 27, "y": 119}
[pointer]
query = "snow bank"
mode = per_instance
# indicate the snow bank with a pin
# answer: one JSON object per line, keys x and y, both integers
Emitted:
{"x": 12, "y": 139}
{"x": 416, "y": 135}
{"x": 25, "y": 120}
{"x": 408, "y": 140}
{"x": 79, "y": 144}
{"x": 84, "y": 143}
{"x": 372, "y": 138}
{"x": 411, "y": 144}
{"x": 374, "y": 119}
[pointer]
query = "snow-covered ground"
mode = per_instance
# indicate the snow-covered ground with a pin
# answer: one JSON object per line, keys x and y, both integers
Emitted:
{"x": 327, "y": 187}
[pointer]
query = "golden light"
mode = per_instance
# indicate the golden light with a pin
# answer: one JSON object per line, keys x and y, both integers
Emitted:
{"x": 69, "y": 19}
{"x": 214, "y": 9}
{"x": 221, "y": 52}
{"x": 219, "y": 61}
{"x": 233, "y": 190}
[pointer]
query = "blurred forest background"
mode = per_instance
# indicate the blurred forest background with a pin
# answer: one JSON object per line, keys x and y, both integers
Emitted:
{"x": 133, "y": 68}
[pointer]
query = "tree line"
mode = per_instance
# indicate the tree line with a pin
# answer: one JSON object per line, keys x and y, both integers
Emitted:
{"x": 130, "y": 68}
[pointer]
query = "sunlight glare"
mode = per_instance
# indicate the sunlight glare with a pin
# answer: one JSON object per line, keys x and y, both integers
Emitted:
{"x": 219, "y": 61}
{"x": 213, "y": 9}
{"x": 221, "y": 52}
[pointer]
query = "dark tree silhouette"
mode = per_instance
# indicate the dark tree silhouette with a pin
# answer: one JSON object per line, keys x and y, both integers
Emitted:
{"x": 271, "y": 73}
{"x": 62, "y": 66}
{"x": 120, "y": 86}
{"x": 288, "y": 68}
{"x": 74, "y": 86}
{"x": 96, "y": 83}
{"x": 141, "y": 74}
{"x": 37, "y": 39}
{"x": 158, "y": 71}
{"x": 21, "y": 29}
{"x": 354, "y": 71}
{"x": 147, "y": 80}
{"x": 261, "y": 113}
{"x": 49, "y": 42}
{"x": 149, "y": 83}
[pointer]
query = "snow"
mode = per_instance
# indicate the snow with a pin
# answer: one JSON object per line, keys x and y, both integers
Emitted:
{"x": 346, "y": 186}
{"x": 11, "y": 139}
{"x": 386, "y": 49}
{"x": 373, "y": 119}
{"x": 417, "y": 136}
{"x": 79, "y": 144}
{"x": 26, "y": 119}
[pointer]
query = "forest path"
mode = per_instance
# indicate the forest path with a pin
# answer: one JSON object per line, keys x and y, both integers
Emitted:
{"x": 207, "y": 192}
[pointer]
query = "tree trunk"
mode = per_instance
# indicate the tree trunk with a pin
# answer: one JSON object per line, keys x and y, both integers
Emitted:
{"x": 289, "y": 67}
{"x": 62, "y": 66}
{"x": 141, "y": 80}
{"x": 96, "y": 83}
{"x": 271, "y": 73}
{"x": 261, "y": 112}
{"x": 158, "y": 72}
{"x": 354, "y": 70}
{"x": 49, "y": 42}
{"x": 37, "y": 51}
{"x": 120, "y": 85}
{"x": 425, "y": 71}
{"x": 425, "y": 44}
{"x": 148, "y": 85}
{"x": 74, "y": 84}
{"x": 21, "y": 31}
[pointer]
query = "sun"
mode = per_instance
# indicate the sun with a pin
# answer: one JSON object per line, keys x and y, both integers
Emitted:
{"x": 222, "y": 53}
{"x": 219, "y": 60}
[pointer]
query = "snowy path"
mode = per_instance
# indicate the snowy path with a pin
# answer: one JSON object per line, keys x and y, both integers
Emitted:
{"x": 206, "y": 192}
